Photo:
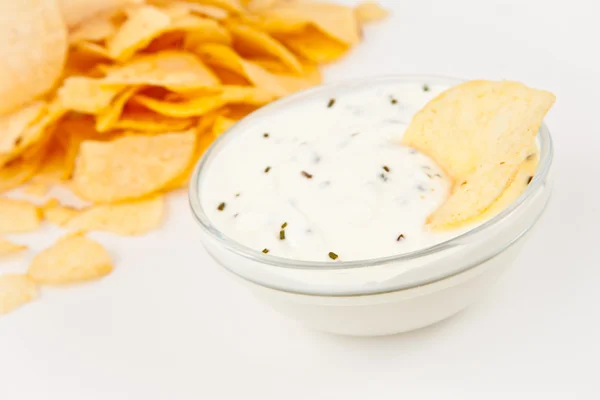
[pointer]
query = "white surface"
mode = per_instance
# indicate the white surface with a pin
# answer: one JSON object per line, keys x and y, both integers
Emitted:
{"x": 168, "y": 324}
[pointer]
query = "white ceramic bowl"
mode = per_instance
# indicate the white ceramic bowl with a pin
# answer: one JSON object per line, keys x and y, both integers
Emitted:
{"x": 386, "y": 295}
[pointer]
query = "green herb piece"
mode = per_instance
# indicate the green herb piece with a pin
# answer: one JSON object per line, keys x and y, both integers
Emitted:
{"x": 282, "y": 235}
{"x": 529, "y": 180}
{"x": 386, "y": 168}
{"x": 383, "y": 177}
{"x": 331, "y": 103}
{"x": 265, "y": 251}
{"x": 393, "y": 101}
{"x": 530, "y": 157}
{"x": 355, "y": 134}
{"x": 307, "y": 175}
{"x": 221, "y": 207}
{"x": 265, "y": 135}
{"x": 237, "y": 194}
{"x": 333, "y": 256}
{"x": 284, "y": 225}
{"x": 400, "y": 238}
{"x": 267, "y": 170}
{"x": 426, "y": 88}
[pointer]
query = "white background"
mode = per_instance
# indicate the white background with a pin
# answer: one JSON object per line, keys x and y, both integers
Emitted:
{"x": 168, "y": 324}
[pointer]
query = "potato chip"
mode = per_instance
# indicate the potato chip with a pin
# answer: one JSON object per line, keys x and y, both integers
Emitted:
{"x": 249, "y": 41}
{"x": 15, "y": 290}
{"x": 314, "y": 46}
{"x": 20, "y": 170}
{"x": 212, "y": 32}
{"x": 222, "y": 124}
{"x": 107, "y": 119}
{"x": 145, "y": 24}
{"x": 95, "y": 30}
{"x": 223, "y": 57}
{"x": 370, "y": 11}
{"x": 336, "y": 21}
{"x": 93, "y": 49}
{"x": 52, "y": 171}
{"x": 87, "y": 95}
{"x": 18, "y": 216}
{"x": 171, "y": 69}
{"x": 56, "y": 213}
{"x": 130, "y": 218}
{"x": 76, "y": 12}
{"x": 151, "y": 122}
{"x": 7, "y": 247}
{"x": 132, "y": 166}
{"x": 195, "y": 8}
{"x": 233, "y": 6}
{"x": 14, "y": 125}
{"x": 202, "y": 105}
{"x": 519, "y": 184}
{"x": 72, "y": 259}
{"x": 480, "y": 133}
{"x": 34, "y": 47}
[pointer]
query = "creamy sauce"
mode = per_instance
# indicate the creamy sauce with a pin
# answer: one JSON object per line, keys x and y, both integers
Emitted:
{"x": 327, "y": 178}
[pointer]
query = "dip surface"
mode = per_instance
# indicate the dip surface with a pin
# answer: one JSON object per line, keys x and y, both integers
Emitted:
{"x": 325, "y": 178}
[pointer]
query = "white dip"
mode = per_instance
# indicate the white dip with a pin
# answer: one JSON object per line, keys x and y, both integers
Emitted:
{"x": 331, "y": 168}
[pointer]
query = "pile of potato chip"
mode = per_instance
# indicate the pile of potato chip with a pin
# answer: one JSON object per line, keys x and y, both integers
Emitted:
{"x": 145, "y": 90}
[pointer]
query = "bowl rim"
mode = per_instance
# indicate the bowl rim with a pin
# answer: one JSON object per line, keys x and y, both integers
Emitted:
{"x": 542, "y": 171}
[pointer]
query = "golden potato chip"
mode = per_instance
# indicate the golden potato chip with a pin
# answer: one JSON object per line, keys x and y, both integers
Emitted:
{"x": 15, "y": 290}
{"x": 72, "y": 259}
{"x": 195, "y": 8}
{"x": 93, "y": 49}
{"x": 480, "y": 133}
{"x": 87, "y": 95}
{"x": 171, "y": 69}
{"x": 223, "y": 57}
{"x": 518, "y": 185}
{"x": 211, "y": 32}
{"x": 143, "y": 25}
{"x": 370, "y": 11}
{"x": 233, "y": 6}
{"x": 151, "y": 122}
{"x": 56, "y": 213}
{"x": 132, "y": 166}
{"x": 34, "y": 46}
{"x": 337, "y": 21}
{"x": 76, "y": 12}
{"x": 221, "y": 125}
{"x": 7, "y": 247}
{"x": 20, "y": 170}
{"x": 314, "y": 45}
{"x": 130, "y": 218}
{"x": 95, "y": 30}
{"x": 51, "y": 172}
{"x": 202, "y": 105}
{"x": 14, "y": 125}
{"x": 250, "y": 41}
{"x": 107, "y": 119}
{"x": 17, "y": 216}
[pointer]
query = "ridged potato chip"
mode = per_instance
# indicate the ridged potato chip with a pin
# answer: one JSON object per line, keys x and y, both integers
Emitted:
{"x": 175, "y": 70}
{"x": 149, "y": 122}
{"x": 131, "y": 166}
{"x": 370, "y": 11}
{"x": 14, "y": 125}
{"x": 203, "y": 105}
{"x": 129, "y": 218}
{"x": 18, "y": 216}
{"x": 143, "y": 25}
{"x": 479, "y": 132}
{"x": 252, "y": 42}
{"x": 7, "y": 247}
{"x": 72, "y": 259}
{"x": 56, "y": 213}
{"x": 15, "y": 290}
{"x": 87, "y": 95}
{"x": 336, "y": 21}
